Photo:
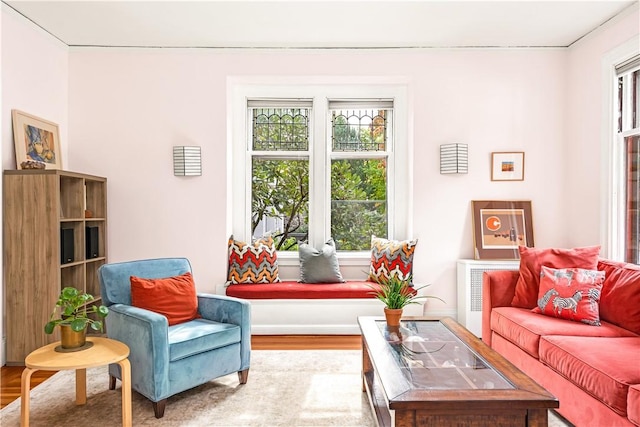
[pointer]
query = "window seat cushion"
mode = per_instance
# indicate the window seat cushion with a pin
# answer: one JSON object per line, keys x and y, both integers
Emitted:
{"x": 296, "y": 290}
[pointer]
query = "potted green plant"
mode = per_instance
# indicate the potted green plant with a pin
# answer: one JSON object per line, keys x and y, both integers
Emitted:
{"x": 74, "y": 309}
{"x": 396, "y": 293}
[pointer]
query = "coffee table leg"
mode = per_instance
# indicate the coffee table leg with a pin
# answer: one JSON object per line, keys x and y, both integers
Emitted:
{"x": 366, "y": 364}
{"x": 125, "y": 368}
{"x": 24, "y": 396}
{"x": 537, "y": 418}
{"x": 81, "y": 386}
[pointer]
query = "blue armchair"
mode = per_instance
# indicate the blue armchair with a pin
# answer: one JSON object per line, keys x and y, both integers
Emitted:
{"x": 166, "y": 360}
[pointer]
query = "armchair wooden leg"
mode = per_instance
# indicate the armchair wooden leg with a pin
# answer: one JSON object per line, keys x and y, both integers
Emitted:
{"x": 243, "y": 376}
{"x": 112, "y": 382}
{"x": 158, "y": 408}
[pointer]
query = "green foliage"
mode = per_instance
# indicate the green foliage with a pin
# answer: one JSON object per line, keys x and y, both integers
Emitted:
{"x": 396, "y": 293}
{"x": 359, "y": 205}
{"x": 74, "y": 310}
{"x": 280, "y": 189}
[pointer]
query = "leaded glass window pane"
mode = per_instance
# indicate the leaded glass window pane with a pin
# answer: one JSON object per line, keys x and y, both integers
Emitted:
{"x": 359, "y": 130}
{"x": 358, "y": 202}
{"x": 280, "y": 129}
{"x": 280, "y": 201}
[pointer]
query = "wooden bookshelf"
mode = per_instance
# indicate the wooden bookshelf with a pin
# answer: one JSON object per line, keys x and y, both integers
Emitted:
{"x": 37, "y": 206}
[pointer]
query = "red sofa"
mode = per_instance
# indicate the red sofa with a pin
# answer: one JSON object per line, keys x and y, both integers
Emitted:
{"x": 594, "y": 371}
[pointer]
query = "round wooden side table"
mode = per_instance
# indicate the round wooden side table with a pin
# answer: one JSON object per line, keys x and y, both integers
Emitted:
{"x": 103, "y": 352}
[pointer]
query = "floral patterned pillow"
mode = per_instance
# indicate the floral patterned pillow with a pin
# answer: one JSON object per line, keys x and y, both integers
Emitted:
{"x": 570, "y": 293}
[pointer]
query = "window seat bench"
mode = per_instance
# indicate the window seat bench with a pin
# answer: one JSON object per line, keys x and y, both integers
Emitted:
{"x": 290, "y": 307}
{"x": 296, "y": 290}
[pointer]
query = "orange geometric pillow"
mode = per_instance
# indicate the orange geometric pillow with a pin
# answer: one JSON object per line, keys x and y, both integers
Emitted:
{"x": 252, "y": 263}
{"x": 391, "y": 258}
{"x": 570, "y": 293}
{"x": 173, "y": 297}
{"x": 532, "y": 260}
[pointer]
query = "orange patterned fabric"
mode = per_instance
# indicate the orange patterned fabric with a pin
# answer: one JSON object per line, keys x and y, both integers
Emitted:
{"x": 391, "y": 258}
{"x": 173, "y": 297}
{"x": 253, "y": 263}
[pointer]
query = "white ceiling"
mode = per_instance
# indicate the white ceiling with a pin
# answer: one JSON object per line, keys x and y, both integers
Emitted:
{"x": 320, "y": 24}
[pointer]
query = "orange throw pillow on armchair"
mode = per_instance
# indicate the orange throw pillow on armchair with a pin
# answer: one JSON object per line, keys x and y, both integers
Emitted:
{"x": 173, "y": 297}
{"x": 532, "y": 260}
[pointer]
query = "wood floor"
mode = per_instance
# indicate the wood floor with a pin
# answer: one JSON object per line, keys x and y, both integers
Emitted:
{"x": 10, "y": 375}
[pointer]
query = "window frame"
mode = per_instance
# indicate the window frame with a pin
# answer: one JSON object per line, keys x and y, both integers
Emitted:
{"x": 613, "y": 210}
{"x": 400, "y": 188}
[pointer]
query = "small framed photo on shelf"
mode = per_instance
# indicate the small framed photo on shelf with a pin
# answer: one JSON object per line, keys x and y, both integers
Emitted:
{"x": 500, "y": 226}
{"x": 507, "y": 166}
{"x": 37, "y": 142}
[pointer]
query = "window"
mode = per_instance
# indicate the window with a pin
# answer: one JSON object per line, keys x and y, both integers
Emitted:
{"x": 628, "y": 148}
{"x": 279, "y": 151}
{"x": 359, "y": 143}
{"x": 319, "y": 161}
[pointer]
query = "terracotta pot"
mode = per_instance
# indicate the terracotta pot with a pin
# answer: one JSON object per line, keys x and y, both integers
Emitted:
{"x": 393, "y": 316}
{"x": 72, "y": 339}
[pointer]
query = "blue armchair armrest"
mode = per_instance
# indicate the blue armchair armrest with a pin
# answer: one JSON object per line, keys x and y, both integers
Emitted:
{"x": 146, "y": 334}
{"x": 224, "y": 309}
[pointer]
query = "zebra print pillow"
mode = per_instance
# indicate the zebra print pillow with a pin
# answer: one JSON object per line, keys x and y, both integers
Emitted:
{"x": 570, "y": 293}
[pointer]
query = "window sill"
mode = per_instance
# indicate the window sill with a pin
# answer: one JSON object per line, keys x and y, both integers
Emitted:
{"x": 359, "y": 259}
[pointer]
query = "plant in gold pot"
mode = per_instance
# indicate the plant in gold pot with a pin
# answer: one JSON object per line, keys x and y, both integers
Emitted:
{"x": 397, "y": 293}
{"x": 74, "y": 309}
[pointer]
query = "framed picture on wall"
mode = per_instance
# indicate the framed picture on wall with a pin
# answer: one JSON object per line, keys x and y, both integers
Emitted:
{"x": 507, "y": 166}
{"x": 36, "y": 140}
{"x": 500, "y": 226}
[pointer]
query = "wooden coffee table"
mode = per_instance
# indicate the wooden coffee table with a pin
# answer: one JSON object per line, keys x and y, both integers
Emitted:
{"x": 103, "y": 352}
{"x": 436, "y": 373}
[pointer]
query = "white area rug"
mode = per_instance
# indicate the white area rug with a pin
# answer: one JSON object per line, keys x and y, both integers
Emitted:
{"x": 293, "y": 388}
{"x": 285, "y": 388}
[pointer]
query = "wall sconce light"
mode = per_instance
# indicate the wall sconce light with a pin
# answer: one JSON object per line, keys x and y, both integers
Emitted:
{"x": 187, "y": 161}
{"x": 454, "y": 158}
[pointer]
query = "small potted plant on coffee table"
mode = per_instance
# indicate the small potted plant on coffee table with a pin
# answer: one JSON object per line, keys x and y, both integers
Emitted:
{"x": 75, "y": 307}
{"x": 397, "y": 293}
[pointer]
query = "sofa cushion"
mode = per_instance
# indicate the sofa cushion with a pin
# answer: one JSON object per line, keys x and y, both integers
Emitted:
{"x": 524, "y": 328}
{"x": 319, "y": 266}
{"x": 600, "y": 366}
{"x": 620, "y": 299}
{"x": 296, "y": 290}
{"x": 570, "y": 293}
{"x": 173, "y": 297}
{"x": 391, "y": 258}
{"x": 252, "y": 263}
{"x": 633, "y": 404}
{"x": 200, "y": 335}
{"x": 531, "y": 261}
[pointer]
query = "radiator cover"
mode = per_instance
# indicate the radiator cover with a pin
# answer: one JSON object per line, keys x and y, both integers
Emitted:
{"x": 469, "y": 278}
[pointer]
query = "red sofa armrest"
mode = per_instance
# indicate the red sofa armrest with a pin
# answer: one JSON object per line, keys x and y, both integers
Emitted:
{"x": 498, "y": 289}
